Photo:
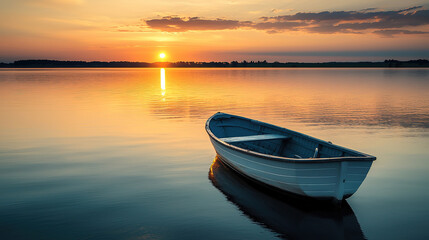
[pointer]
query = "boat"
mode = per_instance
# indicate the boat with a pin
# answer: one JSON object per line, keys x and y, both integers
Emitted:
{"x": 290, "y": 218}
{"x": 286, "y": 160}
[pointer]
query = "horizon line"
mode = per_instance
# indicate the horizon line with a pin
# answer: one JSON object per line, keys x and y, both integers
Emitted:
{"x": 198, "y": 62}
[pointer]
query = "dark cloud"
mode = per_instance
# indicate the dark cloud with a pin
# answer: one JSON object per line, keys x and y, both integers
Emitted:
{"x": 278, "y": 26}
{"x": 352, "y": 21}
{"x": 179, "y": 24}
{"x": 391, "y": 32}
{"x": 368, "y": 9}
{"x": 386, "y": 23}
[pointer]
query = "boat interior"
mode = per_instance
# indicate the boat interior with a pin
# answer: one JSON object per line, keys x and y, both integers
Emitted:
{"x": 272, "y": 140}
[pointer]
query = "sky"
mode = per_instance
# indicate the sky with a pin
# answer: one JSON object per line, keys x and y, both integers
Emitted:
{"x": 216, "y": 30}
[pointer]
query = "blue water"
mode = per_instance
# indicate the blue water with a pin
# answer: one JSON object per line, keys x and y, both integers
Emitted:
{"x": 117, "y": 154}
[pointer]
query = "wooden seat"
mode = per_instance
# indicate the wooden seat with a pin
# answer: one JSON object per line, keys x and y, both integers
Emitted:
{"x": 260, "y": 137}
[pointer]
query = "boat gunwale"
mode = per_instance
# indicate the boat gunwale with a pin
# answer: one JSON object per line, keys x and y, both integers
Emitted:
{"x": 365, "y": 157}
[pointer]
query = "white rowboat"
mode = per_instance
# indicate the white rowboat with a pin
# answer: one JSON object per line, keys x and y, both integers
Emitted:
{"x": 287, "y": 160}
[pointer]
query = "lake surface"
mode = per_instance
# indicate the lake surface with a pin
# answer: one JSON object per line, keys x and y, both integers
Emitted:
{"x": 123, "y": 154}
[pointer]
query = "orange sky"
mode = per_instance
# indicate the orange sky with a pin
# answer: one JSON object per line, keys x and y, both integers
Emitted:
{"x": 220, "y": 30}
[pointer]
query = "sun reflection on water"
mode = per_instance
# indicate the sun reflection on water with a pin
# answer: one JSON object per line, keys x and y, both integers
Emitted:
{"x": 163, "y": 81}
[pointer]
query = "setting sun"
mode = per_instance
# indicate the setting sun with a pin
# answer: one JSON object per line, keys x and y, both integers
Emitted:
{"x": 162, "y": 55}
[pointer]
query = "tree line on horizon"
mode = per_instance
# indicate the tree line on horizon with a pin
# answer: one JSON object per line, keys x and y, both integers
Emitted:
{"x": 181, "y": 64}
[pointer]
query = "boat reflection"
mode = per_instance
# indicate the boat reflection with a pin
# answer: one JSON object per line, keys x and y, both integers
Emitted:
{"x": 291, "y": 218}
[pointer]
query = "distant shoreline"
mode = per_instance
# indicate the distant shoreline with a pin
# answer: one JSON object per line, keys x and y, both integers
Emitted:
{"x": 420, "y": 63}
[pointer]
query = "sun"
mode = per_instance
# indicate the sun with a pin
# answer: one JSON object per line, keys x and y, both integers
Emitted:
{"x": 162, "y": 55}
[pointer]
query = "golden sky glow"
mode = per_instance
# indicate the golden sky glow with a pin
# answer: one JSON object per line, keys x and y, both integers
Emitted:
{"x": 218, "y": 30}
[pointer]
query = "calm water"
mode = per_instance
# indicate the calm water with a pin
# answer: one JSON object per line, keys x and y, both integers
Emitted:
{"x": 123, "y": 154}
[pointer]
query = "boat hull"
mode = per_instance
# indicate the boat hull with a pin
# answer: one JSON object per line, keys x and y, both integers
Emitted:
{"x": 335, "y": 180}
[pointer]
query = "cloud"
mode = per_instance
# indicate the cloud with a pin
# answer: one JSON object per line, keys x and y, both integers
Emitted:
{"x": 182, "y": 24}
{"x": 275, "y": 10}
{"x": 386, "y": 23}
{"x": 391, "y": 32}
{"x": 350, "y": 21}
